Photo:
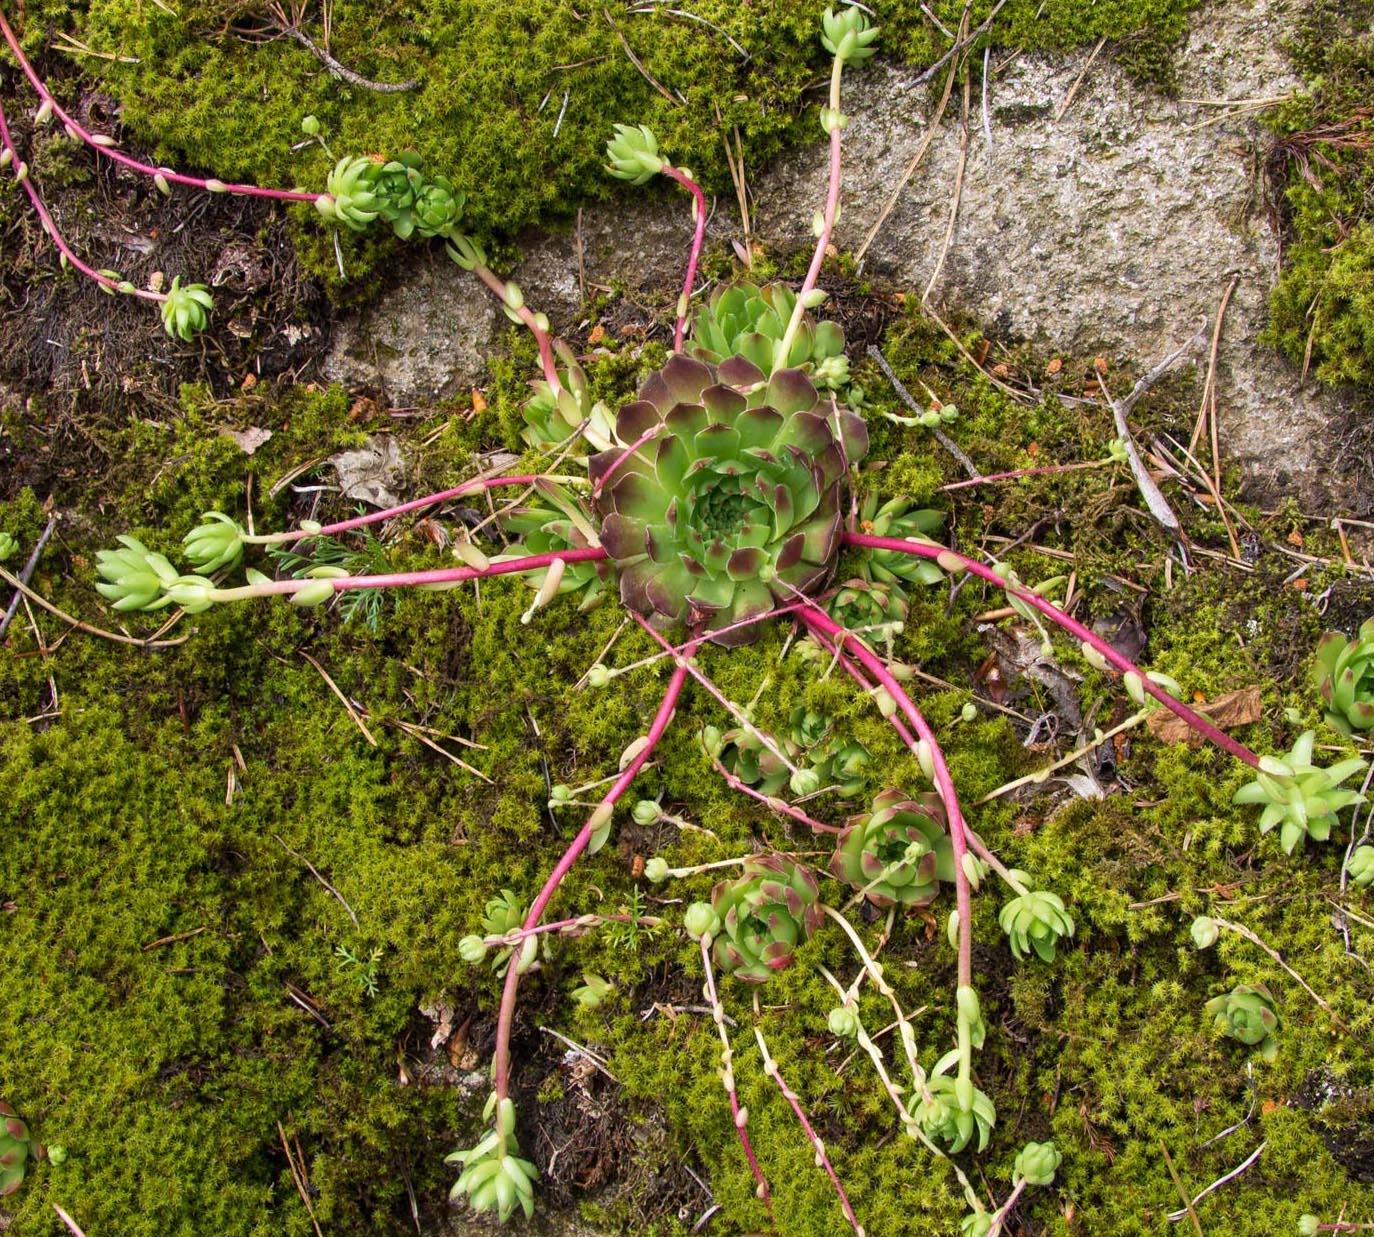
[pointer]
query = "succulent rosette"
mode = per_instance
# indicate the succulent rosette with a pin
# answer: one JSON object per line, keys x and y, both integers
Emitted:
{"x": 16, "y": 1148}
{"x": 765, "y": 913}
{"x": 1247, "y": 1013}
{"x": 1344, "y": 675}
{"x": 746, "y": 320}
{"x": 755, "y": 764}
{"x": 729, "y": 502}
{"x": 898, "y": 852}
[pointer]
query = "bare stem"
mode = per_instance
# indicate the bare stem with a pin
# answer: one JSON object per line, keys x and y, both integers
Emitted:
{"x": 772, "y": 802}
{"x": 770, "y": 1068}
{"x": 50, "y": 227}
{"x": 405, "y": 579}
{"x": 832, "y": 206}
{"x": 725, "y": 702}
{"x": 475, "y": 486}
{"x": 1005, "y": 1209}
{"x": 598, "y": 818}
{"x": 75, "y": 127}
{"x": 1124, "y": 664}
{"x": 727, "y": 1074}
{"x": 698, "y": 237}
{"x": 527, "y": 316}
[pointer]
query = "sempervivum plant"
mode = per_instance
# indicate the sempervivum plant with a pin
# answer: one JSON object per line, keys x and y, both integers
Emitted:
{"x": 1301, "y": 799}
{"x": 1247, "y": 1013}
{"x": 1344, "y": 674}
{"x": 727, "y": 499}
{"x": 746, "y": 320}
{"x": 765, "y": 913}
{"x": 16, "y": 1146}
{"x": 896, "y": 853}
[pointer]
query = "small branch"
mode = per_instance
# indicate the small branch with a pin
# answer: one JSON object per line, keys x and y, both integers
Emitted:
{"x": 1149, "y": 491}
{"x": 344, "y": 700}
{"x": 26, "y": 575}
{"x": 910, "y": 401}
{"x": 1176, "y": 1216}
{"x": 343, "y": 72}
{"x": 315, "y": 872}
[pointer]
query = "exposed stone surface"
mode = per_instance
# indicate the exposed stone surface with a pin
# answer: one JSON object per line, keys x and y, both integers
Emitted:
{"x": 1114, "y": 228}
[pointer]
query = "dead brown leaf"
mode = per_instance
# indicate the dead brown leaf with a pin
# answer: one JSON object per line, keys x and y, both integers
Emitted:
{"x": 1237, "y": 708}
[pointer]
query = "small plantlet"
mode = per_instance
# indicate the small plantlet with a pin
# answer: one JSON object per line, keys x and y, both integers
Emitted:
{"x": 363, "y": 970}
{"x": 17, "y": 1147}
{"x": 1247, "y": 1014}
{"x": 1299, "y": 798}
{"x": 1343, "y": 674}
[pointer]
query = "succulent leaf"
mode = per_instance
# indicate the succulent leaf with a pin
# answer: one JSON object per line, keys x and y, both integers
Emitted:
{"x": 1343, "y": 674}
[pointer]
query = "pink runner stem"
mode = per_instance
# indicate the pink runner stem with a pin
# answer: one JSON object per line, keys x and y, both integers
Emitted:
{"x": 195, "y": 182}
{"x": 822, "y": 625}
{"x": 699, "y": 199}
{"x": 507, "y": 1013}
{"x": 50, "y": 227}
{"x": 1194, "y": 719}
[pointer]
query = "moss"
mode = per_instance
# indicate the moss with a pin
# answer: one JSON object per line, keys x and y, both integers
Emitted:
{"x": 512, "y": 103}
{"x": 1322, "y": 309}
{"x": 165, "y": 927}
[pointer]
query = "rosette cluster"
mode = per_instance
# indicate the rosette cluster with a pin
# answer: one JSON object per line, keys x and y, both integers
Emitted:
{"x": 725, "y": 499}
{"x": 764, "y": 914}
{"x": 898, "y": 852}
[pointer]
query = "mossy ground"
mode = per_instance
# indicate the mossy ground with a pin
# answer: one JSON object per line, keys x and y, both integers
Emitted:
{"x": 172, "y": 989}
{"x": 163, "y": 931}
{"x": 1322, "y": 172}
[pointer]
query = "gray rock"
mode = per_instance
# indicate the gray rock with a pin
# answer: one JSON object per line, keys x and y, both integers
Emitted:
{"x": 1113, "y": 228}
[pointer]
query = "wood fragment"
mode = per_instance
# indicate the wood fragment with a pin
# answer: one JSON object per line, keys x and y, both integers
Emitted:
{"x": 26, "y": 575}
{"x": 1237, "y": 708}
{"x": 344, "y": 700}
{"x": 1154, "y": 498}
{"x": 315, "y": 872}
